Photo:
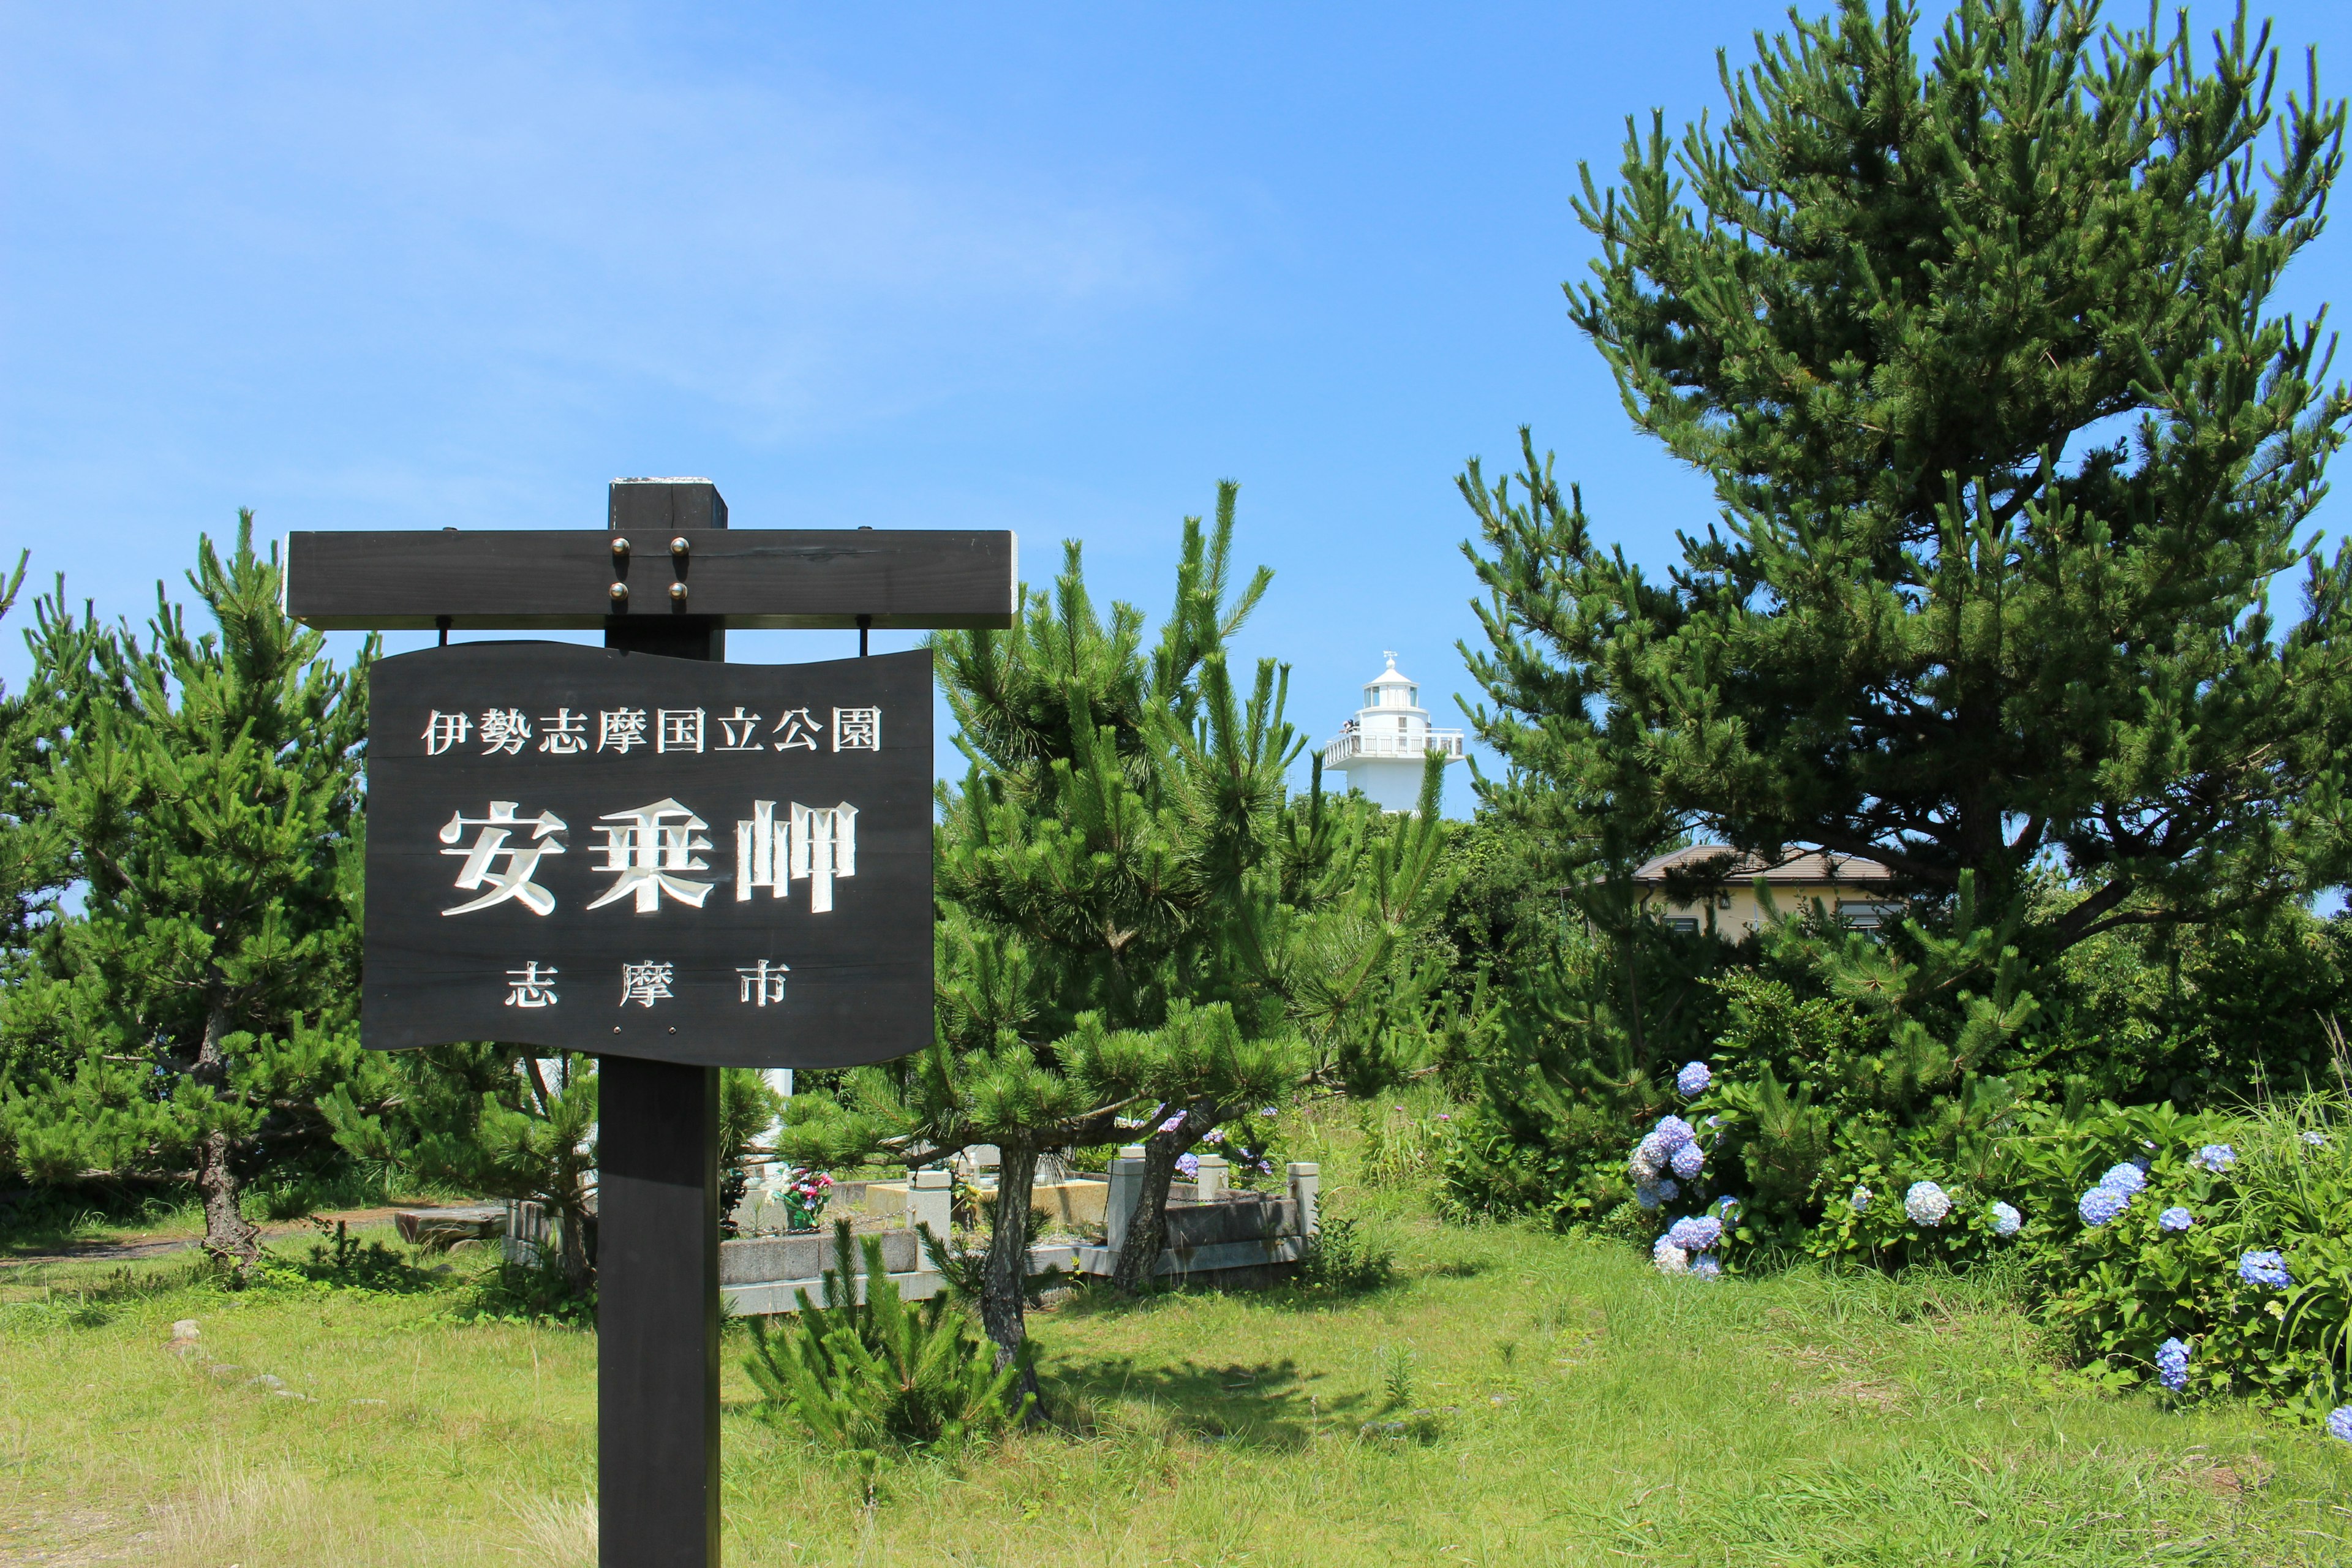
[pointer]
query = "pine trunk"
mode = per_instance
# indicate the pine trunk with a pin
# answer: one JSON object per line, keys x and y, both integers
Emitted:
{"x": 228, "y": 1235}
{"x": 1004, "y": 1277}
{"x": 1146, "y": 1227}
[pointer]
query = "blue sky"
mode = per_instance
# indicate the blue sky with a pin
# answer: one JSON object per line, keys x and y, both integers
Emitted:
{"x": 1056, "y": 269}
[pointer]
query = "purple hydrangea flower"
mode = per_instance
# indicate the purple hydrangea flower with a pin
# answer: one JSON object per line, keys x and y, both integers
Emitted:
{"x": 1214, "y": 1135}
{"x": 1696, "y": 1234}
{"x": 1860, "y": 1199}
{"x": 1728, "y": 1209}
{"x": 2125, "y": 1178}
{"x": 1673, "y": 1132}
{"x": 1669, "y": 1258}
{"x": 1704, "y": 1267}
{"x": 1688, "y": 1161}
{"x": 2339, "y": 1422}
{"x": 1189, "y": 1164}
{"x": 2215, "y": 1157}
{"x": 2006, "y": 1220}
{"x": 2316, "y": 1139}
{"x": 2101, "y": 1205}
{"x": 1926, "y": 1204}
{"x": 2172, "y": 1364}
{"x": 1692, "y": 1079}
{"x": 2265, "y": 1269}
{"x": 1646, "y": 1193}
{"x": 2175, "y": 1218}
{"x": 1172, "y": 1123}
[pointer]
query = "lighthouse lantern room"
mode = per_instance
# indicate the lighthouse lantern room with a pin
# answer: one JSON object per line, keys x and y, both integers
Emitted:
{"x": 1381, "y": 748}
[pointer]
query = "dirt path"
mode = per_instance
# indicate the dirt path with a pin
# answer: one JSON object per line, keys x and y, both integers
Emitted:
{"x": 125, "y": 1251}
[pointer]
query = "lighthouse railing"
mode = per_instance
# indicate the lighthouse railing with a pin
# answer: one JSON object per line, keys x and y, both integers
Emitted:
{"x": 1344, "y": 749}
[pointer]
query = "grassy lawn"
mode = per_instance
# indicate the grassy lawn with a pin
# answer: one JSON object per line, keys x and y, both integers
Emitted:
{"x": 1572, "y": 1409}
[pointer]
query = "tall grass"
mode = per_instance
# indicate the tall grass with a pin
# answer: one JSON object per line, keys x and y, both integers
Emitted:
{"x": 1566, "y": 1406}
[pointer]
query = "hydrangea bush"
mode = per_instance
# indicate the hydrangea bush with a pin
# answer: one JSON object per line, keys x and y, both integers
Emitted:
{"x": 2207, "y": 1264}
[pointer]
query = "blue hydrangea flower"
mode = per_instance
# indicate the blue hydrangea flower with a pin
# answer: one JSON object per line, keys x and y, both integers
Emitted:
{"x": 1696, "y": 1234}
{"x": 2175, "y": 1218}
{"x": 2005, "y": 1220}
{"x": 2172, "y": 1364}
{"x": 1692, "y": 1079}
{"x": 1728, "y": 1209}
{"x": 2125, "y": 1178}
{"x": 1706, "y": 1267}
{"x": 1712, "y": 1122}
{"x": 1673, "y": 1132}
{"x": 2215, "y": 1157}
{"x": 2316, "y": 1139}
{"x": 1648, "y": 1163}
{"x": 1688, "y": 1161}
{"x": 2101, "y": 1205}
{"x": 1927, "y": 1204}
{"x": 1646, "y": 1194}
{"x": 1669, "y": 1258}
{"x": 2339, "y": 1422}
{"x": 1859, "y": 1200}
{"x": 1189, "y": 1164}
{"x": 1668, "y": 1190}
{"x": 2265, "y": 1269}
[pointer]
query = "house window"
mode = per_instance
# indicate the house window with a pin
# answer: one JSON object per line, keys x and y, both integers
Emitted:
{"x": 1399, "y": 723}
{"x": 1869, "y": 915}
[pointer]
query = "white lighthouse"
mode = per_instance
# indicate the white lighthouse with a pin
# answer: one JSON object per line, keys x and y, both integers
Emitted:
{"x": 1381, "y": 748}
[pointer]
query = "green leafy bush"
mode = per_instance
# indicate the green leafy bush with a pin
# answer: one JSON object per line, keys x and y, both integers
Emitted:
{"x": 2121, "y": 1289}
{"x": 1342, "y": 1260}
{"x": 869, "y": 1377}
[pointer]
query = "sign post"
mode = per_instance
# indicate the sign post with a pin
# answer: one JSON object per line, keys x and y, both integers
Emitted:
{"x": 642, "y": 852}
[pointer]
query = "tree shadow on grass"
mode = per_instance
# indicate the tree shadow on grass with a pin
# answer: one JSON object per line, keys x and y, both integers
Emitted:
{"x": 1258, "y": 1404}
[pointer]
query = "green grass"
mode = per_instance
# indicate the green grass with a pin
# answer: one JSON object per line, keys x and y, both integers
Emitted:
{"x": 1515, "y": 1399}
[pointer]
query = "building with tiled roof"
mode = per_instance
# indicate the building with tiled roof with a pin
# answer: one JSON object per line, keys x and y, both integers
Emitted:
{"x": 1710, "y": 887}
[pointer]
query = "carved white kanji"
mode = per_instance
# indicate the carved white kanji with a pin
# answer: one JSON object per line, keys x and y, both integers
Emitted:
{"x": 647, "y": 848}
{"x": 761, "y": 983}
{"x": 443, "y": 731}
{"x": 858, "y": 729}
{"x": 618, "y": 729}
{"x": 532, "y": 985}
{"x": 810, "y": 844}
{"x": 563, "y": 733}
{"x": 678, "y": 730}
{"x": 798, "y": 729}
{"x": 739, "y": 732}
{"x": 489, "y": 848}
{"x": 645, "y": 984}
{"x": 504, "y": 730}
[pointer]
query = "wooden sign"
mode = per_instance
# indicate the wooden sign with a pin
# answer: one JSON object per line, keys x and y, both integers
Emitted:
{"x": 590, "y": 849}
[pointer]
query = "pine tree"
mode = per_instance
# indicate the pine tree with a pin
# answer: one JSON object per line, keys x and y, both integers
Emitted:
{"x": 186, "y": 1022}
{"x": 1137, "y": 930}
{"x": 33, "y": 861}
{"x": 2011, "y": 443}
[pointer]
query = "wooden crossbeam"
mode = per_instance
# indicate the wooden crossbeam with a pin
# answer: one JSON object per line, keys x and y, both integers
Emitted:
{"x": 564, "y": 579}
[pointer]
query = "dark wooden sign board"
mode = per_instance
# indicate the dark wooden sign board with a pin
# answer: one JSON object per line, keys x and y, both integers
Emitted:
{"x": 589, "y": 849}
{"x": 661, "y": 579}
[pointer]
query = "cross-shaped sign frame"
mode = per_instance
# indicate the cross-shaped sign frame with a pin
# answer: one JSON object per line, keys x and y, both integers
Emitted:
{"x": 666, "y": 575}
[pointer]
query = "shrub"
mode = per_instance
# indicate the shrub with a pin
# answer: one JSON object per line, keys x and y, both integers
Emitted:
{"x": 2255, "y": 1286}
{"x": 867, "y": 1377}
{"x": 1340, "y": 1258}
